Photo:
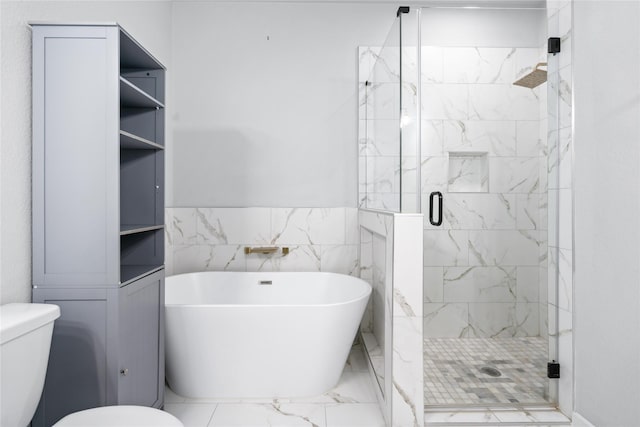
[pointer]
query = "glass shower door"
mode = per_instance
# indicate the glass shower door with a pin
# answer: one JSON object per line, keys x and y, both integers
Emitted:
{"x": 484, "y": 149}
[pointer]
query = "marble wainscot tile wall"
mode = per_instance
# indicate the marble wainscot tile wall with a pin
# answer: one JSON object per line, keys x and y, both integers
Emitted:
{"x": 560, "y": 250}
{"x": 481, "y": 147}
{"x": 319, "y": 239}
{"x": 391, "y": 260}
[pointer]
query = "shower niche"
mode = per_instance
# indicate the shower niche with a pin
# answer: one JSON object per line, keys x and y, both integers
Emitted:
{"x": 468, "y": 172}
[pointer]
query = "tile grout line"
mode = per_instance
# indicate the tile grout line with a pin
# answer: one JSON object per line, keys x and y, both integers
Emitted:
{"x": 215, "y": 408}
{"x": 326, "y": 419}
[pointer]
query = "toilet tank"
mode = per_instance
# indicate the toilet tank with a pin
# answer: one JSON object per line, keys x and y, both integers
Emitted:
{"x": 25, "y": 338}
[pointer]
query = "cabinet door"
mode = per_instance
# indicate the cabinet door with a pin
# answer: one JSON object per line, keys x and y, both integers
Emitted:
{"x": 141, "y": 315}
{"x": 77, "y": 373}
{"x": 75, "y": 156}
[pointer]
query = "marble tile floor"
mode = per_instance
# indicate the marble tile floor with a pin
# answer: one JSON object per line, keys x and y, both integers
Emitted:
{"x": 485, "y": 371}
{"x": 351, "y": 403}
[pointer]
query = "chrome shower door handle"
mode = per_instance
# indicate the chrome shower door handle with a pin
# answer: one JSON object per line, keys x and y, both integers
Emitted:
{"x": 432, "y": 196}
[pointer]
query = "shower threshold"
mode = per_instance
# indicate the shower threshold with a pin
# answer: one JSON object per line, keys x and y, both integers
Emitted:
{"x": 529, "y": 415}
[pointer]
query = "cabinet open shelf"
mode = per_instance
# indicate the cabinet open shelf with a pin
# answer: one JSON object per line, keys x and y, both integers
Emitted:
{"x": 131, "y": 273}
{"x": 133, "y": 229}
{"x": 140, "y": 251}
{"x": 132, "y": 96}
{"x": 141, "y": 195}
{"x": 133, "y": 142}
{"x": 133, "y": 55}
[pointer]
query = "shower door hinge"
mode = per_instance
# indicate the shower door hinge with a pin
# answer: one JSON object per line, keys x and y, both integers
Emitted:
{"x": 402, "y": 9}
{"x": 553, "y": 369}
{"x": 553, "y": 45}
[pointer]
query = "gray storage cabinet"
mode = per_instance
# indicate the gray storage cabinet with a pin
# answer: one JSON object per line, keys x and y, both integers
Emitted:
{"x": 98, "y": 216}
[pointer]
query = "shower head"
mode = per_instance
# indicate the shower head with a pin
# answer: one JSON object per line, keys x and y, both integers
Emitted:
{"x": 534, "y": 78}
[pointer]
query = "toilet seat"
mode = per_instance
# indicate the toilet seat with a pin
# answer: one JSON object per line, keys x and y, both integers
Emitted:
{"x": 120, "y": 416}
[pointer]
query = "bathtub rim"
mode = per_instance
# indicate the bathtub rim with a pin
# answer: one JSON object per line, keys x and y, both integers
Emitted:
{"x": 364, "y": 295}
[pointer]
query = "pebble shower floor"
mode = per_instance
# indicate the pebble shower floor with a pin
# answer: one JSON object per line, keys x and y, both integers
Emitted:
{"x": 462, "y": 371}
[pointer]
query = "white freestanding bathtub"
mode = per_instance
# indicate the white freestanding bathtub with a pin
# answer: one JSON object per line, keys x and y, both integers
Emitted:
{"x": 260, "y": 335}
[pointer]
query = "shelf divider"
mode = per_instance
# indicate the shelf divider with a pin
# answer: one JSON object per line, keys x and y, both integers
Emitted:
{"x": 131, "y": 273}
{"x": 134, "y": 142}
{"x": 126, "y": 230}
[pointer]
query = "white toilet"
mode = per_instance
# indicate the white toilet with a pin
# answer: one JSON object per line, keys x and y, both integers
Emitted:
{"x": 25, "y": 339}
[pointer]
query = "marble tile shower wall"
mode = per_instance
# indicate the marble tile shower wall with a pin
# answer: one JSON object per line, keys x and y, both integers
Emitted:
{"x": 482, "y": 149}
{"x": 483, "y": 146}
{"x": 204, "y": 239}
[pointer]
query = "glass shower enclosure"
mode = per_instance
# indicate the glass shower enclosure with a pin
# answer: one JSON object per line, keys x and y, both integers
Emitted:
{"x": 388, "y": 121}
{"x": 444, "y": 131}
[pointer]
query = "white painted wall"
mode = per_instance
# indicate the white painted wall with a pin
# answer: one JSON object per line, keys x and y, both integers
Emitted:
{"x": 484, "y": 27}
{"x": 148, "y": 21}
{"x": 607, "y": 211}
{"x": 266, "y": 101}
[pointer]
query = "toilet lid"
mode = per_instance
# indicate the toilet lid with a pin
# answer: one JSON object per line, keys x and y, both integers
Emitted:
{"x": 120, "y": 416}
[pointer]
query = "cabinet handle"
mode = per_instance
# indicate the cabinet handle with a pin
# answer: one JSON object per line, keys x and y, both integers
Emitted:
{"x": 431, "y": 203}
{"x": 124, "y": 372}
